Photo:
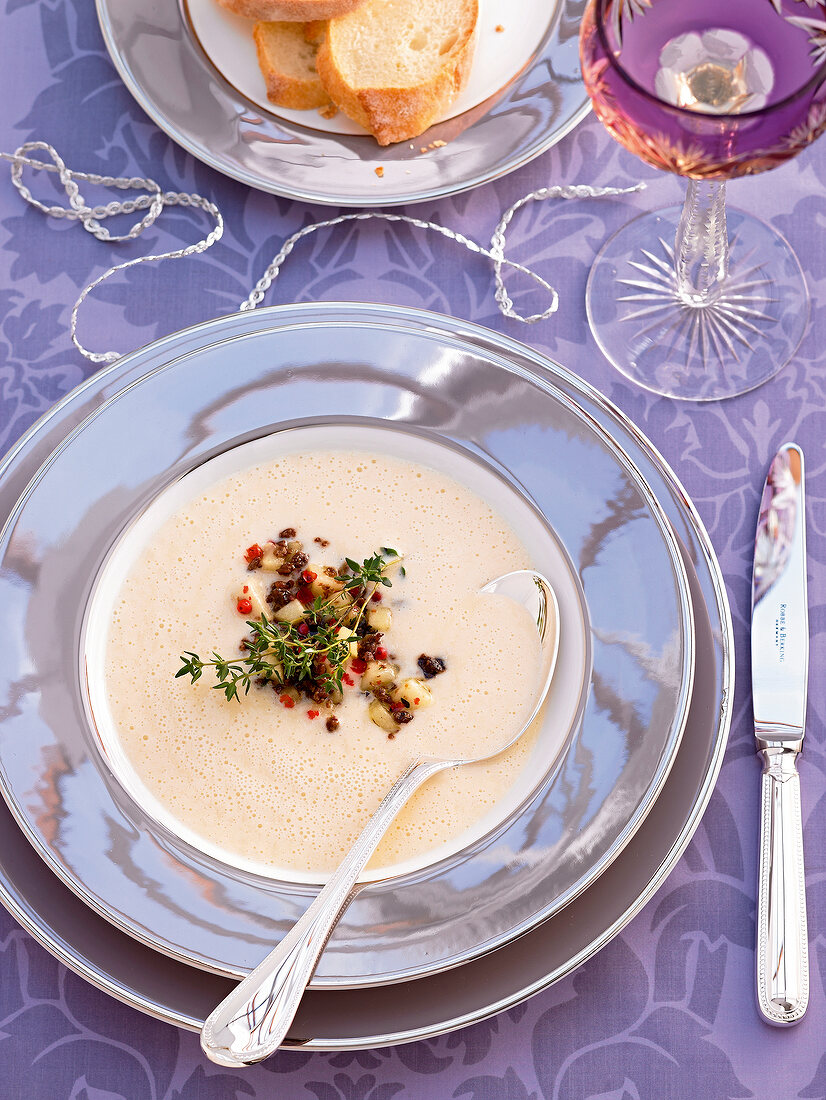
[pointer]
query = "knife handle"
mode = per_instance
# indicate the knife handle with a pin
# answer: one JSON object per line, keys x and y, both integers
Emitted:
{"x": 782, "y": 935}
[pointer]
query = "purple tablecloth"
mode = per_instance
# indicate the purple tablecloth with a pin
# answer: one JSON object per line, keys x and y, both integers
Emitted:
{"x": 665, "y": 1011}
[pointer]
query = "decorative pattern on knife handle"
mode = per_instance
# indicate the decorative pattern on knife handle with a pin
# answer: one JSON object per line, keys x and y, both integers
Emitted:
{"x": 782, "y": 934}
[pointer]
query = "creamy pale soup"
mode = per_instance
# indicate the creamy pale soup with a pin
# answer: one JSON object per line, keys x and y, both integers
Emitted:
{"x": 272, "y": 786}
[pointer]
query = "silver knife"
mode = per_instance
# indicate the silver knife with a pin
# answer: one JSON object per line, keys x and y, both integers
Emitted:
{"x": 779, "y": 669}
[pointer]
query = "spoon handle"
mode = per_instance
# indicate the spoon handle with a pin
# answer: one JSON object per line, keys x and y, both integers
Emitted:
{"x": 251, "y": 1022}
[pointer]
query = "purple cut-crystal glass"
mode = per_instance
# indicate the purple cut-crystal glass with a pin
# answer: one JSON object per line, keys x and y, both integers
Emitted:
{"x": 693, "y": 304}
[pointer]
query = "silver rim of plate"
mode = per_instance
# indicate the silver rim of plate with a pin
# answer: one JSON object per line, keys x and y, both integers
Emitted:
{"x": 337, "y": 1020}
{"x": 216, "y": 123}
{"x": 206, "y": 393}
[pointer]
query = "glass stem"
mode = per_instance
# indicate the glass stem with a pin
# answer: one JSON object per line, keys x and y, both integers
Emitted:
{"x": 701, "y": 247}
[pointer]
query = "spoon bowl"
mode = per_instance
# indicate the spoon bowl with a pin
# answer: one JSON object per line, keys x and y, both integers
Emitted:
{"x": 251, "y": 1022}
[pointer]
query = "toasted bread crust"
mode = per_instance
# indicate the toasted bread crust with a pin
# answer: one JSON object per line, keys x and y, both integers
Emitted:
{"x": 395, "y": 114}
{"x": 299, "y": 93}
{"x": 314, "y": 31}
{"x": 290, "y": 11}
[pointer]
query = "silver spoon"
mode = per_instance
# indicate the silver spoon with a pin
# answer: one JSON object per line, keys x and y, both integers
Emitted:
{"x": 251, "y": 1022}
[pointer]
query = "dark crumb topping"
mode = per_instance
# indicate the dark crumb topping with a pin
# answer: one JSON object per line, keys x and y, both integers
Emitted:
{"x": 280, "y": 594}
{"x": 332, "y": 723}
{"x": 369, "y": 644}
{"x": 431, "y": 666}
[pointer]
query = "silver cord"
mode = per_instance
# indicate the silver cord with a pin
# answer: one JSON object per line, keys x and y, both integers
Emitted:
{"x": 90, "y": 217}
{"x": 154, "y": 200}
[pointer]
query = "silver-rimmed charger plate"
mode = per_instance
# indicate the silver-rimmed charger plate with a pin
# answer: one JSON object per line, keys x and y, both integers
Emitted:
{"x": 163, "y": 65}
{"x": 183, "y": 399}
{"x": 330, "y": 1020}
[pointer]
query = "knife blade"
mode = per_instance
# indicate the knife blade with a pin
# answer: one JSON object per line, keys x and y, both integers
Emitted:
{"x": 779, "y": 666}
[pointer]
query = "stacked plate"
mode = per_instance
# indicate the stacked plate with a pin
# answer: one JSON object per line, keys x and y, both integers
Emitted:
{"x": 640, "y": 701}
{"x": 523, "y": 94}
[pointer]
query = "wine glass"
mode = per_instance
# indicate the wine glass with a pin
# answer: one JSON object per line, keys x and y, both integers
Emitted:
{"x": 698, "y": 304}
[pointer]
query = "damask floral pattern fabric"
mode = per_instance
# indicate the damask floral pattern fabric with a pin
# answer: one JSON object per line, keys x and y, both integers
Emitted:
{"x": 666, "y": 1011}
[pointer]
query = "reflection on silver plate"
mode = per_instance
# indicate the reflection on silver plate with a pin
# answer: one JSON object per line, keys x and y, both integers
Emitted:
{"x": 164, "y": 66}
{"x": 338, "y": 1020}
{"x": 204, "y": 391}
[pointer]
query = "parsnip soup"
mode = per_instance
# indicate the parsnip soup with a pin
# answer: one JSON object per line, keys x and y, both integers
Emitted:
{"x": 277, "y": 640}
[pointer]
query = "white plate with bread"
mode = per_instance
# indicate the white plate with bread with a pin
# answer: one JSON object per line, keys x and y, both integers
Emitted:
{"x": 354, "y": 102}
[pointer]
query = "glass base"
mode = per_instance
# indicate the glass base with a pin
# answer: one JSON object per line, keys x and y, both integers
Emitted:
{"x": 735, "y": 342}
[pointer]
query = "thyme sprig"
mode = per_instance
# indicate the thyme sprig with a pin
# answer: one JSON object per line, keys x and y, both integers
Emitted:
{"x": 288, "y": 655}
{"x": 371, "y": 570}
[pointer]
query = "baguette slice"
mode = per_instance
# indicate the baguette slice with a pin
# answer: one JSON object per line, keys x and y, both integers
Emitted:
{"x": 292, "y": 11}
{"x": 394, "y": 66}
{"x": 287, "y": 61}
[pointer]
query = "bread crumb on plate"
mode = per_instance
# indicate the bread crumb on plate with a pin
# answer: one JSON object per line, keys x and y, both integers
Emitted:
{"x": 380, "y": 171}
{"x": 437, "y": 144}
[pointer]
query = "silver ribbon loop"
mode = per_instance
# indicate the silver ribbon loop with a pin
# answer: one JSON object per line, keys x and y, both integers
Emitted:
{"x": 154, "y": 200}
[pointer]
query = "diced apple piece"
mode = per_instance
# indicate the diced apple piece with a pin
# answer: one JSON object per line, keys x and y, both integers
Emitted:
{"x": 278, "y": 670}
{"x": 327, "y": 581}
{"x": 380, "y": 618}
{"x": 413, "y": 693}
{"x": 258, "y": 607}
{"x": 377, "y": 674}
{"x": 335, "y": 695}
{"x": 383, "y": 718}
{"x": 270, "y": 561}
{"x": 344, "y": 632}
{"x": 291, "y": 612}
